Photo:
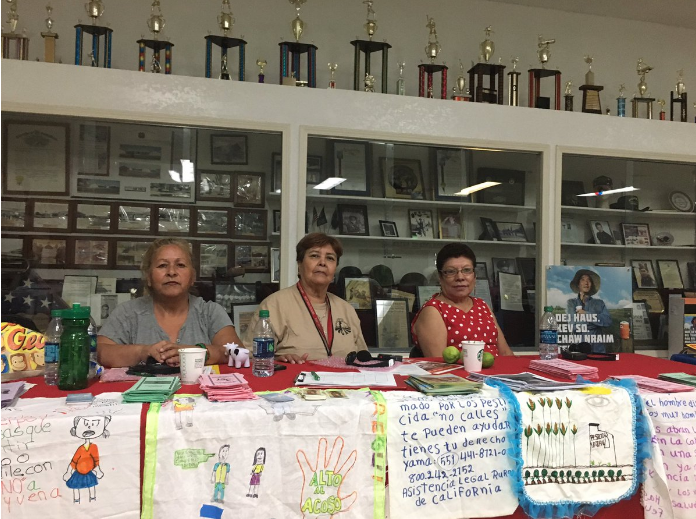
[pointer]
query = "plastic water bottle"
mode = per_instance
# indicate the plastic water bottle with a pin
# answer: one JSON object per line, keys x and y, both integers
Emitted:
{"x": 264, "y": 347}
{"x": 92, "y": 332}
{"x": 548, "y": 335}
{"x": 52, "y": 348}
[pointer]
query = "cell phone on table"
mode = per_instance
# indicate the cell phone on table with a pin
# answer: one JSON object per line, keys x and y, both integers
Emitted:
{"x": 279, "y": 367}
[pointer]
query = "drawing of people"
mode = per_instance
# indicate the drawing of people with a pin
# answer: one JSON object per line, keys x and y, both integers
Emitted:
{"x": 84, "y": 470}
{"x": 259, "y": 462}
{"x": 183, "y": 405}
{"x": 221, "y": 472}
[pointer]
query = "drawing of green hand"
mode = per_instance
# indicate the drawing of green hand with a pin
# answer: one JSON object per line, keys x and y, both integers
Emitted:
{"x": 322, "y": 481}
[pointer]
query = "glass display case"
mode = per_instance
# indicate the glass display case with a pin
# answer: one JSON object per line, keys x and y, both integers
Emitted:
{"x": 400, "y": 202}
{"x": 639, "y": 215}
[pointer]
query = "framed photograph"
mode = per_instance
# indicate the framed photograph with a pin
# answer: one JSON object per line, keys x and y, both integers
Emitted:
{"x": 389, "y": 229}
{"x": 392, "y": 323}
{"x": 36, "y": 158}
{"x": 358, "y": 293}
{"x": 489, "y": 231}
{"x": 140, "y": 152}
{"x": 228, "y": 294}
{"x": 652, "y": 299}
{"x": 506, "y": 265}
{"x": 211, "y": 257}
{"x": 93, "y": 148}
{"x": 601, "y": 232}
{"x": 138, "y": 169}
{"x": 451, "y": 176}
{"x": 449, "y": 223}
{"x": 13, "y": 214}
{"x": 352, "y": 161}
{"x": 352, "y": 220}
{"x": 511, "y": 231}
{"x": 315, "y": 170}
{"x": 134, "y": 218}
{"x": 129, "y": 253}
{"x": 98, "y": 187}
{"x": 527, "y": 269}
{"x": 92, "y": 217}
{"x": 214, "y": 185}
{"x": 570, "y": 189}
{"x": 481, "y": 269}
{"x": 12, "y": 247}
{"x": 173, "y": 220}
{"x": 91, "y": 252}
{"x": 275, "y": 265}
{"x": 421, "y": 222}
{"x": 242, "y": 316}
{"x": 276, "y": 221}
{"x": 670, "y": 274}
{"x": 403, "y": 178}
{"x": 636, "y": 234}
{"x": 425, "y": 293}
{"x": 276, "y": 172}
{"x": 212, "y": 221}
{"x": 53, "y": 216}
{"x": 570, "y": 232}
{"x": 644, "y": 273}
{"x": 249, "y": 190}
{"x": 249, "y": 224}
{"x": 254, "y": 258}
{"x": 228, "y": 148}
{"x": 49, "y": 252}
{"x": 509, "y": 192}
{"x": 179, "y": 190}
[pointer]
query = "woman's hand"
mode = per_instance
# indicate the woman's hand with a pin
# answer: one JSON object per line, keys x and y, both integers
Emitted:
{"x": 291, "y": 358}
{"x": 166, "y": 352}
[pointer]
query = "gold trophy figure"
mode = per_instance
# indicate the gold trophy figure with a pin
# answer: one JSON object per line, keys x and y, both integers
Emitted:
{"x": 297, "y": 23}
{"x": 332, "y": 70}
{"x": 433, "y": 48}
{"x": 371, "y": 23}
{"x": 487, "y": 47}
{"x": 156, "y": 22}
{"x": 642, "y": 68}
{"x": 225, "y": 18}
{"x": 544, "y": 52}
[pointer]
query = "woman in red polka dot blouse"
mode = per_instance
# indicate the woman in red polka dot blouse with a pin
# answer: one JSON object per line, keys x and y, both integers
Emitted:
{"x": 453, "y": 315}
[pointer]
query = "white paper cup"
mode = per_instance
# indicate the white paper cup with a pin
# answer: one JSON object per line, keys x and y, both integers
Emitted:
{"x": 472, "y": 354}
{"x": 192, "y": 362}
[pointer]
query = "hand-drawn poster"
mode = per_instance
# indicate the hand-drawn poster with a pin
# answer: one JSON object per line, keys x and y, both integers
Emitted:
{"x": 579, "y": 449}
{"x": 277, "y": 456}
{"x": 449, "y": 457}
{"x": 668, "y": 491}
{"x": 71, "y": 461}
{"x": 593, "y": 305}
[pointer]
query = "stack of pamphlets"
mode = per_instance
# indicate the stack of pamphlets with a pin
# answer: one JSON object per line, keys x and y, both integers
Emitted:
{"x": 564, "y": 369}
{"x": 527, "y": 382}
{"x": 443, "y": 385}
{"x": 230, "y": 387}
{"x": 656, "y": 386}
{"x": 11, "y": 391}
{"x": 152, "y": 389}
{"x": 680, "y": 378}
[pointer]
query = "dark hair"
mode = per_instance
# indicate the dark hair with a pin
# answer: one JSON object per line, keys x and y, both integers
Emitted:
{"x": 454, "y": 250}
{"x": 318, "y": 239}
{"x": 260, "y": 449}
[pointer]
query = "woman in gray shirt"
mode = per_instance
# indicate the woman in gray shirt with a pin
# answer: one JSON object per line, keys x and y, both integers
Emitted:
{"x": 167, "y": 318}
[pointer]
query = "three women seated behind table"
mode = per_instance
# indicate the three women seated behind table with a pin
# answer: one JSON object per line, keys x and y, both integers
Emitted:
{"x": 309, "y": 322}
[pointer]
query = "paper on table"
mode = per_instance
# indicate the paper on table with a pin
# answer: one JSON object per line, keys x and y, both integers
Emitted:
{"x": 510, "y": 292}
{"x": 346, "y": 379}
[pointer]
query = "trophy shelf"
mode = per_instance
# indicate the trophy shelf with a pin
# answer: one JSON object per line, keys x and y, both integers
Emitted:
{"x": 589, "y": 211}
{"x": 622, "y": 246}
{"x": 422, "y": 203}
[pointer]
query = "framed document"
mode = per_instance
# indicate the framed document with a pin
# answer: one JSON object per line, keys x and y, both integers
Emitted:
{"x": 92, "y": 217}
{"x": 249, "y": 223}
{"x": 450, "y": 167}
{"x": 173, "y": 220}
{"x": 212, "y": 221}
{"x": 315, "y": 170}
{"x": 254, "y": 258}
{"x": 134, "y": 218}
{"x": 249, "y": 190}
{"x": 91, "y": 252}
{"x": 652, "y": 299}
{"x": 400, "y": 294}
{"x": 228, "y": 148}
{"x": 93, "y": 150}
{"x": 36, "y": 158}
{"x": 425, "y": 293}
{"x": 352, "y": 161}
{"x": 242, "y": 316}
{"x": 670, "y": 274}
{"x": 392, "y": 323}
{"x": 403, "y": 178}
{"x": 212, "y": 256}
{"x": 358, "y": 293}
{"x": 13, "y": 214}
{"x": 214, "y": 185}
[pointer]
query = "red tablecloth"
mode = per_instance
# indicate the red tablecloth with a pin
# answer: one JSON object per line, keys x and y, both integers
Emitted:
{"x": 627, "y": 365}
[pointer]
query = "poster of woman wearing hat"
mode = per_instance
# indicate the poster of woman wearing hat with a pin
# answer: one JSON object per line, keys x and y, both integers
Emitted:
{"x": 586, "y": 283}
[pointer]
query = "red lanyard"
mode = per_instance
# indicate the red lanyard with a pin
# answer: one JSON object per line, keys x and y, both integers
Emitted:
{"x": 328, "y": 342}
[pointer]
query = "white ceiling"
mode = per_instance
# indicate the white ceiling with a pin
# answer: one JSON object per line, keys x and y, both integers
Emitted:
{"x": 678, "y": 13}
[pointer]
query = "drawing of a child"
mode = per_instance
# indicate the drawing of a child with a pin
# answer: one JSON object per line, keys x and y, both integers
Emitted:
{"x": 221, "y": 474}
{"x": 259, "y": 462}
{"x": 183, "y": 405}
{"x": 84, "y": 470}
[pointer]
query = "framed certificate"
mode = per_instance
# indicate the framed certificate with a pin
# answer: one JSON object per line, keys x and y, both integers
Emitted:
{"x": 392, "y": 323}
{"x": 351, "y": 160}
{"x": 670, "y": 274}
{"x": 450, "y": 167}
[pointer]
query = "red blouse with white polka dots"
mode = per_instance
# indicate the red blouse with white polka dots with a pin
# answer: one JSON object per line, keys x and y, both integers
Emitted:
{"x": 477, "y": 324}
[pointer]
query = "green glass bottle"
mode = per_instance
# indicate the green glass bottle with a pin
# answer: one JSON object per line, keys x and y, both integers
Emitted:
{"x": 73, "y": 368}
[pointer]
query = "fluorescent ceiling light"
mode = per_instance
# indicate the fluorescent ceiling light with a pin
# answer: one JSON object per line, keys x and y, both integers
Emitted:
{"x": 610, "y": 191}
{"x": 478, "y": 187}
{"x": 330, "y": 183}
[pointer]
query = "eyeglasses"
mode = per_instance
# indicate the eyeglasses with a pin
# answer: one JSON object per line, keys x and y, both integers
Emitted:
{"x": 450, "y": 273}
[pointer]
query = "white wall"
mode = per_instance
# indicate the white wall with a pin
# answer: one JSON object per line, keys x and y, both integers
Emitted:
{"x": 616, "y": 44}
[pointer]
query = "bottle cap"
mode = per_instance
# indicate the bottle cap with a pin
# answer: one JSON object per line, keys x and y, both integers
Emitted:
{"x": 548, "y": 309}
{"x": 57, "y": 313}
{"x": 263, "y": 313}
{"x": 77, "y": 312}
